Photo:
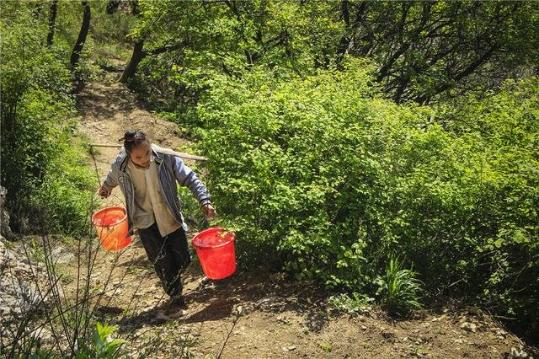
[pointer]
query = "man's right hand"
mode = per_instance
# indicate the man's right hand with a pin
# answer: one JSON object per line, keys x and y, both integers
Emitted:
{"x": 104, "y": 192}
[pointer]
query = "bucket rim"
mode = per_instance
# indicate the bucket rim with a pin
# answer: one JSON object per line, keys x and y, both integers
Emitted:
{"x": 218, "y": 229}
{"x": 119, "y": 220}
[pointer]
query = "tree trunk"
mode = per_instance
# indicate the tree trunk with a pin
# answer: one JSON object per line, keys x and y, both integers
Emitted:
{"x": 79, "y": 45}
{"x": 138, "y": 55}
{"x": 52, "y": 21}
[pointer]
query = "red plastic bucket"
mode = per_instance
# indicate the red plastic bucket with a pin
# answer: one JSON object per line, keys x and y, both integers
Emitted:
{"x": 111, "y": 227}
{"x": 215, "y": 249}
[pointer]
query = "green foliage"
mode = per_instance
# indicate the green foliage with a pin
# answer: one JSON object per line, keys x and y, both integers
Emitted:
{"x": 104, "y": 346}
{"x": 64, "y": 198}
{"x": 207, "y": 39}
{"x": 424, "y": 51}
{"x": 426, "y": 48}
{"x": 39, "y": 169}
{"x": 318, "y": 170}
{"x": 355, "y": 303}
{"x": 502, "y": 235}
{"x": 398, "y": 289}
{"x": 325, "y": 346}
{"x": 191, "y": 209}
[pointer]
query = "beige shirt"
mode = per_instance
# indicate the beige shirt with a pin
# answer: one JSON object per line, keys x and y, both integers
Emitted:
{"x": 150, "y": 205}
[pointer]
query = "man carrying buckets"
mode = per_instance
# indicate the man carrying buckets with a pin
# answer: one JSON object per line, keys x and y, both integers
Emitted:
{"x": 147, "y": 176}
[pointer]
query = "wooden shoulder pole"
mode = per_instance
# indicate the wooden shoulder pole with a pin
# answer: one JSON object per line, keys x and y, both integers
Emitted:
{"x": 182, "y": 155}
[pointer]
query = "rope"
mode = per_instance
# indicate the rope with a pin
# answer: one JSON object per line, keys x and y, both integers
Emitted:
{"x": 95, "y": 166}
{"x": 97, "y": 173}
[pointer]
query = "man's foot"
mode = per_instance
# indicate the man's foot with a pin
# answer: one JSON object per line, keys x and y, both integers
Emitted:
{"x": 177, "y": 301}
{"x": 176, "y": 307}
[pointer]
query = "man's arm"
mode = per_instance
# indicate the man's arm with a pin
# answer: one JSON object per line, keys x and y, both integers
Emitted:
{"x": 187, "y": 177}
{"x": 110, "y": 182}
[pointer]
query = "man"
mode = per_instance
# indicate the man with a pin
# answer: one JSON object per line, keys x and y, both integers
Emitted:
{"x": 147, "y": 176}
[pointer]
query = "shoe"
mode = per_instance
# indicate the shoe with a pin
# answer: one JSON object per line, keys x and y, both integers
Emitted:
{"x": 177, "y": 301}
{"x": 176, "y": 307}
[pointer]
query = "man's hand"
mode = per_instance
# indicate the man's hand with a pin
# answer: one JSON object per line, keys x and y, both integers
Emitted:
{"x": 209, "y": 212}
{"x": 104, "y": 192}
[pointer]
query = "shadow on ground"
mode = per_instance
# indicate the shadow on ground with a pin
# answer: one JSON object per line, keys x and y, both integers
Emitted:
{"x": 243, "y": 293}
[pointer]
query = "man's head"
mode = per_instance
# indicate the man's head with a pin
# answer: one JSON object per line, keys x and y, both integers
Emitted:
{"x": 138, "y": 147}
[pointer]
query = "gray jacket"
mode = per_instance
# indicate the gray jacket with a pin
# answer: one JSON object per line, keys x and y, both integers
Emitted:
{"x": 170, "y": 169}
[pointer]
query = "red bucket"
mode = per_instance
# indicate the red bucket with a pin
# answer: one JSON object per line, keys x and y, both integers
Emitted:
{"x": 215, "y": 249}
{"x": 111, "y": 227}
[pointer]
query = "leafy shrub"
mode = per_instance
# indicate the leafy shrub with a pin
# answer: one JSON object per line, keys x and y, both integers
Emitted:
{"x": 39, "y": 169}
{"x": 104, "y": 346}
{"x": 64, "y": 199}
{"x": 502, "y": 234}
{"x": 319, "y": 170}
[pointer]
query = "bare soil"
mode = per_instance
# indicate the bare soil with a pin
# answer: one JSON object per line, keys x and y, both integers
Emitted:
{"x": 253, "y": 315}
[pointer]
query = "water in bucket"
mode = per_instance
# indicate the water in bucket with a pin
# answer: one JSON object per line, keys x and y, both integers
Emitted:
{"x": 111, "y": 227}
{"x": 215, "y": 249}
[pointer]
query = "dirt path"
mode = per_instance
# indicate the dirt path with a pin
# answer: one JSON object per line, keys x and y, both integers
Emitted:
{"x": 252, "y": 316}
{"x": 109, "y": 109}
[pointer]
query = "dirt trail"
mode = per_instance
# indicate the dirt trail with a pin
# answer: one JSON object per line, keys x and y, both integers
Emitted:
{"x": 252, "y": 316}
{"x": 109, "y": 109}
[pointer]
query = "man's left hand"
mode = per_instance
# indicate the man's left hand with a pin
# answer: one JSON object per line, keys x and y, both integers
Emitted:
{"x": 209, "y": 212}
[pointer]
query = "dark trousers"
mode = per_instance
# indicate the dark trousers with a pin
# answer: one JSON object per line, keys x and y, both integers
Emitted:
{"x": 169, "y": 255}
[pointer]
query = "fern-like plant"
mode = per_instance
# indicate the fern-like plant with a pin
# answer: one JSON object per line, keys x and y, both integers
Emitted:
{"x": 398, "y": 289}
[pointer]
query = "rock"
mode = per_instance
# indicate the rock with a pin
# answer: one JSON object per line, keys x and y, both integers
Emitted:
{"x": 471, "y": 327}
{"x": 18, "y": 291}
{"x": 437, "y": 319}
{"x": 289, "y": 348}
{"x": 265, "y": 301}
{"x": 5, "y": 230}
{"x": 515, "y": 353}
{"x": 61, "y": 255}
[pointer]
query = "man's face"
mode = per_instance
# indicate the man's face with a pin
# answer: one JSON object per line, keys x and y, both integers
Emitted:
{"x": 141, "y": 154}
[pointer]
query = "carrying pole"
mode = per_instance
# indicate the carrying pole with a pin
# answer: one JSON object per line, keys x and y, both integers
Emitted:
{"x": 182, "y": 155}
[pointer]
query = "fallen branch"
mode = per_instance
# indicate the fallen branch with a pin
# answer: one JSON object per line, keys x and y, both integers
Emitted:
{"x": 182, "y": 155}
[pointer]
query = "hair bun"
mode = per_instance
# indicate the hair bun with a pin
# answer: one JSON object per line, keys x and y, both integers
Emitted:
{"x": 132, "y": 138}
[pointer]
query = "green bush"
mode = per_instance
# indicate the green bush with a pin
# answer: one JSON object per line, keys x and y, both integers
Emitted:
{"x": 46, "y": 187}
{"x": 319, "y": 170}
{"x": 64, "y": 198}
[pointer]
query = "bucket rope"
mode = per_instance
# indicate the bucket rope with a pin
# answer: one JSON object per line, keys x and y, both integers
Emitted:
{"x": 97, "y": 174}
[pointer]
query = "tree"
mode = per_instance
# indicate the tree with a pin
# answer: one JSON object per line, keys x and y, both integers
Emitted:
{"x": 79, "y": 44}
{"x": 428, "y": 48}
{"x": 136, "y": 58}
{"x": 52, "y": 21}
{"x": 232, "y": 36}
